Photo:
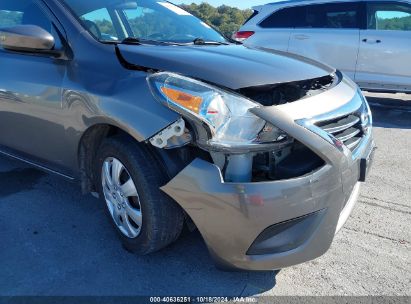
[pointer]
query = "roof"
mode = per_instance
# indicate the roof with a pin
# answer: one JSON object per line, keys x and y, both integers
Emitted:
{"x": 322, "y": 1}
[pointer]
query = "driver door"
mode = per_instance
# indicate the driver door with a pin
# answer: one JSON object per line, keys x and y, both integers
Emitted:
{"x": 31, "y": 111}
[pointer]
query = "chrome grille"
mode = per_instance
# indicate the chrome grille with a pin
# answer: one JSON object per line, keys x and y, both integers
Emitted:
{"x": 348, "y": 129}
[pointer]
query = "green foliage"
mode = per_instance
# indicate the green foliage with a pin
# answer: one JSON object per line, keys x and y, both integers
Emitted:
{"x": 106, "y": 27}
{"x": 224, "y": 18}
{"x": 402, "y": 24}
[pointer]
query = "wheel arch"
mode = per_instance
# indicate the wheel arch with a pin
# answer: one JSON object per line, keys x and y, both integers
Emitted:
{"x": 91, "y": 140}
{"x": 93, "y": 137}
{"x": 88, "y": 146}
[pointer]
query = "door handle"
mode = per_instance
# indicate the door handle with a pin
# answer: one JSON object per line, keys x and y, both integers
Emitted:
{"x": 371, "y": 41}
{"x": 301, "y": 37}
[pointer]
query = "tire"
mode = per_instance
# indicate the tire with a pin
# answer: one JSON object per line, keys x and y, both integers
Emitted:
{"x": 162, "y": 219}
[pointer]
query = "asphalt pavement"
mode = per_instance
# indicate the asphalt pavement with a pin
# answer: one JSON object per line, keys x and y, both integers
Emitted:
{"x": 55, "y": 241}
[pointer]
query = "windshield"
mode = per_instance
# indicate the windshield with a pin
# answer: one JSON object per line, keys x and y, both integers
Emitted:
{"x": 116, "y": 20}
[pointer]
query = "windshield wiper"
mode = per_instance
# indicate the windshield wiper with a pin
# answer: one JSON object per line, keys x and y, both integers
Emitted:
{"x": 201, "y": 41}
{"x": 197, "y": 41}
{"x": 139, "y": 41}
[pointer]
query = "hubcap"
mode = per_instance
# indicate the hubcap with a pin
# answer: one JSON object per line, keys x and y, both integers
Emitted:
{"x": 121, "y": 197}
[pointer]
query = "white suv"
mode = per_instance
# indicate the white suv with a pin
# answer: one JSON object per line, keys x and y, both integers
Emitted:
{"x": 368, "y": 40}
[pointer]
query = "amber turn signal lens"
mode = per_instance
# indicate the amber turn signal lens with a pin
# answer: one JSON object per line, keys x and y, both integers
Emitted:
{"x": 188, "y": 101}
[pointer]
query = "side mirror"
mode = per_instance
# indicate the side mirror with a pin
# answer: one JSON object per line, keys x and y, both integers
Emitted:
{"x": 29, "y": 38}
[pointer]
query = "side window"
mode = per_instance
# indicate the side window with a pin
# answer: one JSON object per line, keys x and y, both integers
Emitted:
{"x": 100, "y": 24}
{"x": 22, "y": 12}
{"x": 388, "y": 16}
{"x": 285, "y": 18}
{"x": 333, "y": 15}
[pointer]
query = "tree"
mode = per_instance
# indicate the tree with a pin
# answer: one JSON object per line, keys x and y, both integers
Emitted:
{"x": 224, "y": 18}
{"x": 396, "y": 23}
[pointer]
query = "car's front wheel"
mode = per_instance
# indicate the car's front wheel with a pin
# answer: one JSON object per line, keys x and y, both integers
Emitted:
{"x": 129, "y": 177}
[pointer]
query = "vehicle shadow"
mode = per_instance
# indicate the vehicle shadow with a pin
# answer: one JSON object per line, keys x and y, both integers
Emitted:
{"x": 17, "y": 180}
{"x": 392, "y": 117}
{"x": 61, "y": 243}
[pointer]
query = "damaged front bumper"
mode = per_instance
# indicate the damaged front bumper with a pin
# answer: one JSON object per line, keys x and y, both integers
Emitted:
{"x": 274, "y": 224}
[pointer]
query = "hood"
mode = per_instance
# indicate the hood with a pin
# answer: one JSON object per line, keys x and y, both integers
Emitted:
{"x": 231, "y": 66}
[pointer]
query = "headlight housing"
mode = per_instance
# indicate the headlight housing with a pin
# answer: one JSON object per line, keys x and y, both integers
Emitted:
{"x": 225, "y": 115}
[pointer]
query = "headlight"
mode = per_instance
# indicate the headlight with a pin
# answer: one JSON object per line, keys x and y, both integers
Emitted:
{"x": 226, "y": 115}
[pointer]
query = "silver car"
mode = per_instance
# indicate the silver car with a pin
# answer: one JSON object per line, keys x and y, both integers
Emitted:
{"x": 171, "y": 124}
{"x": 370, "y": 41}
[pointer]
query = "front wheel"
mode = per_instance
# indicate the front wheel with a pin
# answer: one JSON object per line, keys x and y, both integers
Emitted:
{"x": 129, "y": 178}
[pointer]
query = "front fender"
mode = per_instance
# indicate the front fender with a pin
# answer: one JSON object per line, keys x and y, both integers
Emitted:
{"x": 134, "y": 110}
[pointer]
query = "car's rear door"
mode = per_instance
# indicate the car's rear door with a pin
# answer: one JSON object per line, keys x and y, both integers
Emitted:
{"x": 328, "y": 33}
{"x": 31, "y": 113}
{"x": 384, "y": 61}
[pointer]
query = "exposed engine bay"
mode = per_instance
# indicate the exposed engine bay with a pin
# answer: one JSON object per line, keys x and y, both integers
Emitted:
{"x": 278, "y": 94}
{"x": 283, "y": 159}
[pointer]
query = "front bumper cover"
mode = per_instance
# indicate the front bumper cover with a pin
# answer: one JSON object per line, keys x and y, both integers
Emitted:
{"x": 234, "y": 217}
